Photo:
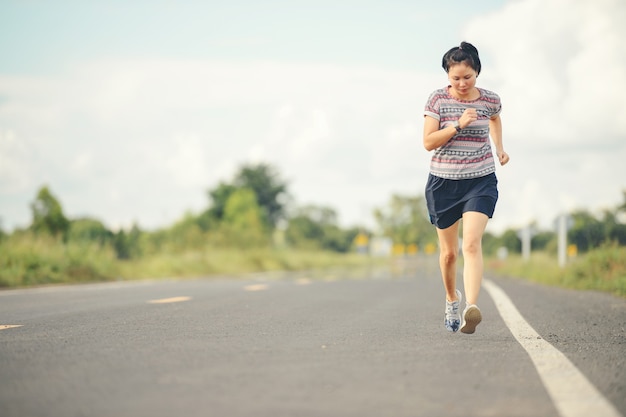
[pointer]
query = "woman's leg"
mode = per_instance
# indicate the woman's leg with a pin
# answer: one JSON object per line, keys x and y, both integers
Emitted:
{"x": 474, "y": 224}
{"x": 448, "y": 253}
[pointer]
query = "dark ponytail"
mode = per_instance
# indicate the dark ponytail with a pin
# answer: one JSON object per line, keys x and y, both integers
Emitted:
{"x": 465, "y": 53}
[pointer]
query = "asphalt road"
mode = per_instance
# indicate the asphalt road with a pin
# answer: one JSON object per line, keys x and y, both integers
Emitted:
{"x": 294, "y": 345}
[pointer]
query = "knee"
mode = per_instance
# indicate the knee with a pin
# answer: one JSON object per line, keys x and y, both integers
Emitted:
{"x": 471, "y": 248}
{"x": 449, "y": 256}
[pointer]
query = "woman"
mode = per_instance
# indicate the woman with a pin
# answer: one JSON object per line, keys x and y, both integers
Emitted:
{"x": 462, "y": 184}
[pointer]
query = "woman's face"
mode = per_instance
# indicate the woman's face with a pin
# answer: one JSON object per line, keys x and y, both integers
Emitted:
{"x": 462, "y": 79}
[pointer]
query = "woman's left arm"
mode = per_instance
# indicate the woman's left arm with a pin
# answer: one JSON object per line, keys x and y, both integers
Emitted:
{"x": 495, "y": 130}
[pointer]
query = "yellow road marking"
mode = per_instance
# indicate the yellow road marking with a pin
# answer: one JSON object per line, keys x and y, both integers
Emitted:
{"x": 9, "y": 326}
{"x": 255, "y": 287}
{"x": 169, "y": 300}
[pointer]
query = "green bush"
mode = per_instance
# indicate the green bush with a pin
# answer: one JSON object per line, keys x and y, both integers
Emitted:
{"x": 26, "y": 259}
{"x": 602, "y": 269}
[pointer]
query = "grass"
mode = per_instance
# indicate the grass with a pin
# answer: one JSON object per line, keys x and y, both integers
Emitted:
{"x": 602, "y": 269}
{"x": 25, "y": 261}
{"x": 28, "y": 260}
{"x": 231, "y": 261}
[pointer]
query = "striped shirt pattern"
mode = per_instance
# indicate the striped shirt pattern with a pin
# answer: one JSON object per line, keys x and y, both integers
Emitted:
{"x": 468, "y": 154}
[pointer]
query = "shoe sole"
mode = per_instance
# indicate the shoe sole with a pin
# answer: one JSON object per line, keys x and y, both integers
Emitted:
{"x": 471, "y": 319}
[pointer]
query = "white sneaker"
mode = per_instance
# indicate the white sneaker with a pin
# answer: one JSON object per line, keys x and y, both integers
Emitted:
{"x": 471, "y": 317}
{"x": 452, "y": 319}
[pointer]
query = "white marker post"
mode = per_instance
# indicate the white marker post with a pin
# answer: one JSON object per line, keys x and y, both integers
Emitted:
{"x": 526, "y": 235}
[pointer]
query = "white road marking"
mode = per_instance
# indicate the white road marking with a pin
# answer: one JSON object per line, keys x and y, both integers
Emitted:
{"x": 572, "y": 394}
{"x": 169, "y": 300}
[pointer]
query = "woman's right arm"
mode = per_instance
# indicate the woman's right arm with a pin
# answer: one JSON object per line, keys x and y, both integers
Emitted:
{"x": 435, "y": 137}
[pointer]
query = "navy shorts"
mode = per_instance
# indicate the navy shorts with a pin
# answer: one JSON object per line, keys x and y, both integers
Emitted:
{"x": 447, "y": 200}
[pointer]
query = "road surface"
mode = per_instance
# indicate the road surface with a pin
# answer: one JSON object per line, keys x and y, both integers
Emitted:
{"x": 302, "y": 345}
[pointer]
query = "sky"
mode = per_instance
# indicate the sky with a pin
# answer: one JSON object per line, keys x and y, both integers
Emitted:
{"x": 131, "y": 111}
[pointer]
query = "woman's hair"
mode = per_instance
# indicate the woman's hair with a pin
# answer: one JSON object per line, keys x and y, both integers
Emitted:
{"x": 465, "y": 53}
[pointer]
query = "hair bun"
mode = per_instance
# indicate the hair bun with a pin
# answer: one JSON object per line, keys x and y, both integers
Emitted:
{"x": 468, "y": 47}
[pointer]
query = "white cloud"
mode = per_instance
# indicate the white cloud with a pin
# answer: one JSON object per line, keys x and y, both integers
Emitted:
{"x": 15, "y": 169}
{"x": 558, "y": 66}
{"x": 298, "y": 134}
{"x": 398, "y": 153}
{"x": 116, "y": 126}
{"x": 186, "y": 161}
{"x": 550, "y": 61}
{"x": 144, "y": 139}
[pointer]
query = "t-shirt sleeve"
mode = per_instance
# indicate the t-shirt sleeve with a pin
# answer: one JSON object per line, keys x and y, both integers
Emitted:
{"x": 495, "y": 105}
{"x": 432, "y": 106}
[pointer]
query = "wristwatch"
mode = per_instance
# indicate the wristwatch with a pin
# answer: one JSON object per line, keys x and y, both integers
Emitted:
{"x": 456, "y": 126}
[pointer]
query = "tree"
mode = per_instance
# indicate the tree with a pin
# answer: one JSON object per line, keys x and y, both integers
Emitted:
{"x": 615, "y": 229}
{"x": 268, "y": 189}
{"x": 89, "y": 230}
{"x": 587, "y": 232}
{"x": 544, "y": 240}
{"x": 304, "y": 232}
{"x": 315, "y": 227}
{"x": 243, "y": 224}
{"x": 186, "y": 233}
{"x": 490, "y": 243}
{"x": 511, "y": 241}
{"x": 337, "y": 239}
{"x": 405, "y": 220}
{"x": 48, "y": 215}
{"x": 219, "y": 196}
{"x": 126, "y": 245}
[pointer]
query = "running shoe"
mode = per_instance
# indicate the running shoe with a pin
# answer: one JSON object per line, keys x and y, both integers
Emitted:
{"x": 452, "y": 319}
{"x": 471, "y": 318}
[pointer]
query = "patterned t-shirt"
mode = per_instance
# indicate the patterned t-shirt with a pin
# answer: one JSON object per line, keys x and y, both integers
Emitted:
{"x": 468, "y": 154}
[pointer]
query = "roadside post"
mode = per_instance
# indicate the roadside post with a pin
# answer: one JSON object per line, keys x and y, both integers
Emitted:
{"x": 563, "y": 224}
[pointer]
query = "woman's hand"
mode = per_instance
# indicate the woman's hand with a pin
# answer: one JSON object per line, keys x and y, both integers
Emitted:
{"x": 469, "y": 116}
{"x": 503, "y": 157}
